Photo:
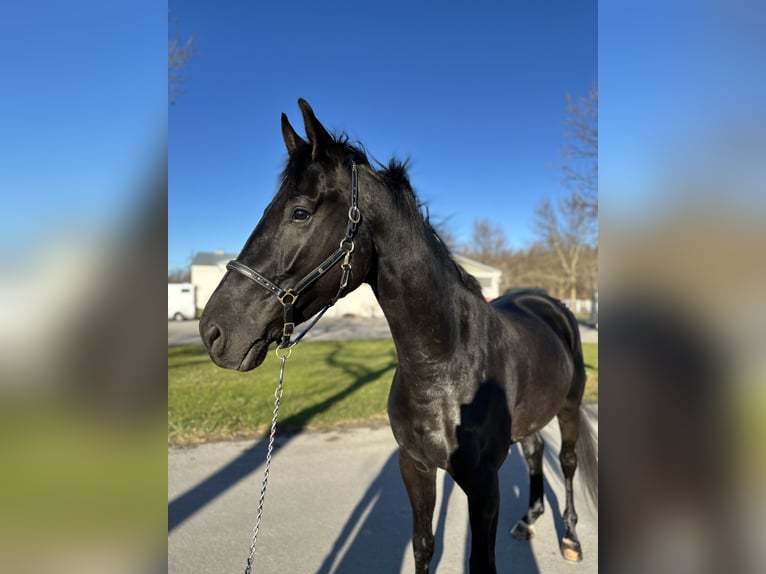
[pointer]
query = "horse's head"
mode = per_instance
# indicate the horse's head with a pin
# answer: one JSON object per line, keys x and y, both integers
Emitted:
{"x": 309, "y": 220}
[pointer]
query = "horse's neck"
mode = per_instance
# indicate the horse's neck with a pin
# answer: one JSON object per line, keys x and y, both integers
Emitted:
{"x": 421, "y": 294}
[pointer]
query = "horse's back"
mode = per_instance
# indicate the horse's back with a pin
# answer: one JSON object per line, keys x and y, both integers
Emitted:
{"x": 537, "y": 304}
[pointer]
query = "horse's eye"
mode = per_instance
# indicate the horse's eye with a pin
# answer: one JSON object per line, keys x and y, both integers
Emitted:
{"x": 300, "y": 214}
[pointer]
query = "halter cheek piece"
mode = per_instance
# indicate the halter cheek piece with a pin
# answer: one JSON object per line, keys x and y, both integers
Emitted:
{"x": 288, "y": 297}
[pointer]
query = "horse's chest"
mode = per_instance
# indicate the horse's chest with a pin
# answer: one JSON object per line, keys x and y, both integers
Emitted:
{"x": 424, "y": 429}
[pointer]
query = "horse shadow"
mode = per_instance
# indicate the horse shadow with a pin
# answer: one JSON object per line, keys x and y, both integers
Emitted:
{"x": 376, "y": 538}
{"x": 377, "y": 532}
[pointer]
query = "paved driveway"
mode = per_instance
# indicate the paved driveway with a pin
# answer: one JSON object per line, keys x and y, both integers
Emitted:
{"x": 336, "y": 504}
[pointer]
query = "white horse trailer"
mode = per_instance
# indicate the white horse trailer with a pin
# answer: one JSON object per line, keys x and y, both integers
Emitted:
{"x": 181, "y": 304}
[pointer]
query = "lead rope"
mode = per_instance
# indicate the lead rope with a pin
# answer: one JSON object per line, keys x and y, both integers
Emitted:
{"x": 286, "y": 351}
{"x": 277, "y": 399}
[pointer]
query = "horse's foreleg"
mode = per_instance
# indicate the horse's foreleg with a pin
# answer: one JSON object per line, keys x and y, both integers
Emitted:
{"x": 483, "y": 503}
{"x": 532, "y": 446}
{"x": 421, "y": 488}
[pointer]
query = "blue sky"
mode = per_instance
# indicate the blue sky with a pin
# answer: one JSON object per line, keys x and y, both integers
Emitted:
{"x": 473, "y": 93}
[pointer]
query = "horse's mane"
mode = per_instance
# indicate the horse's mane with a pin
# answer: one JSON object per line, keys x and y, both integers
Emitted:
{"x": 398, "y": 182}
{"x": 395, "y": 178}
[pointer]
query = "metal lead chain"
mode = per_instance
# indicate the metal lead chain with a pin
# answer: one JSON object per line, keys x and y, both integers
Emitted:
{"x": 277, "y": 399}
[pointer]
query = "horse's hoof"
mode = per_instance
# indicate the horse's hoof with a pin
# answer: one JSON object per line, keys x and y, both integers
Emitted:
{"x": 571, "y": 550}
{"x": 522, "y": 531}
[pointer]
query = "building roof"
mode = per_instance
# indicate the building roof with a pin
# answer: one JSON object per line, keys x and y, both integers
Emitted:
{"x": 213, "y": 258}
{"x": 467, "y": 262}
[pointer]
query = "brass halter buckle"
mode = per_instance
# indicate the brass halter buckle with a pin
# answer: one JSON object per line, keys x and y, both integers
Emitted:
{"x": 288, "y": 293}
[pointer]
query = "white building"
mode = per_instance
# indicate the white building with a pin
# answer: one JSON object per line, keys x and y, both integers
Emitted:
{"x": 207, "y": 270}
{"x": 488, "y": 277}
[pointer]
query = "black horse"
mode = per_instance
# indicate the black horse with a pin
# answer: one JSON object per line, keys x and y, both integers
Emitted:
{"x": 472, "y": 377}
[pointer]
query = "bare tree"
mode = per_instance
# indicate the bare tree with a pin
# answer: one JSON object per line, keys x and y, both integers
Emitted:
{"x": 569, "y": 228}
{"x": 179, "y": 53}
{"x": 566, "y": 229}
{"x": 536, "y": 266}
{"x": 488, "y": 243}
{"x": 539, "y": 264}
{"x": 580, "y": 149}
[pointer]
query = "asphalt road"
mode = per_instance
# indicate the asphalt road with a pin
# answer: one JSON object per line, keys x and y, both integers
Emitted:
{"x": 327, "y": 329}
{"x": 336, "y": 504}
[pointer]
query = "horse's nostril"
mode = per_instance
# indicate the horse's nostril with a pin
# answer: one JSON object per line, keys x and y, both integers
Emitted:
{"x": 213, "y": 339}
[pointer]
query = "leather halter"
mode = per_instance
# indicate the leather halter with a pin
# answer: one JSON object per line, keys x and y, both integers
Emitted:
{"x": 288, "y": 297}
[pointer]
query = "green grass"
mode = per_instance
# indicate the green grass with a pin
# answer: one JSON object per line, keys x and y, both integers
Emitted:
{"x": 326, "y": 384}
{"x": 590, "y": 354}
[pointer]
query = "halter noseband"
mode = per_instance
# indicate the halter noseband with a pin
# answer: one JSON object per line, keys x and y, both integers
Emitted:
{"x": 288, "y": 297}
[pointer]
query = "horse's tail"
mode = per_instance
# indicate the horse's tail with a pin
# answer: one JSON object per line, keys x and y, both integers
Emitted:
{"x": 587, "y": 456}
{"x": 573, "y": 334}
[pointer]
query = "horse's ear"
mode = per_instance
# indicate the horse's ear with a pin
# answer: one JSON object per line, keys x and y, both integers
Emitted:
{"x": 292, "y": 140}
{"x": 318, "y": 136}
